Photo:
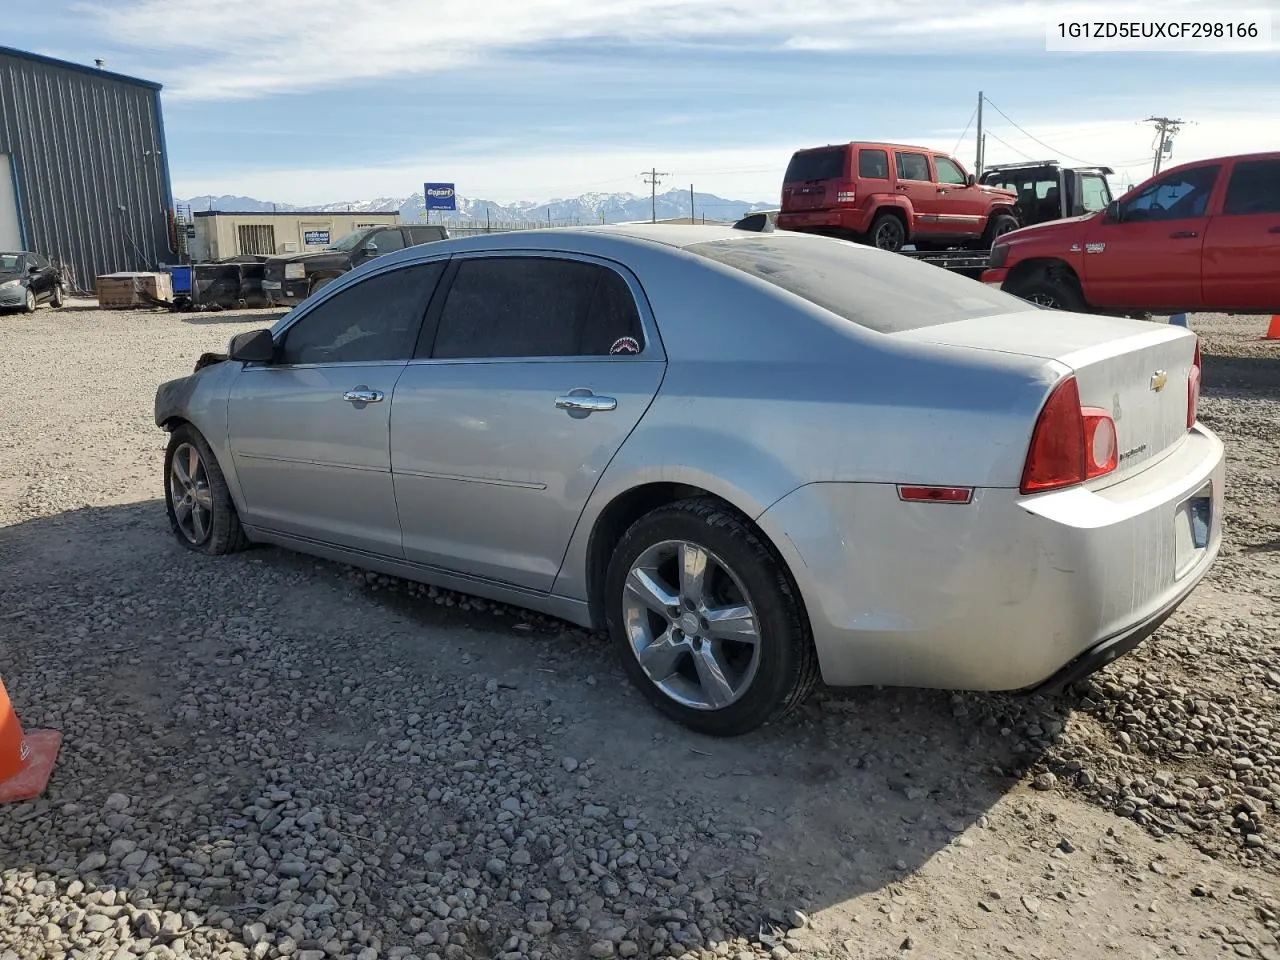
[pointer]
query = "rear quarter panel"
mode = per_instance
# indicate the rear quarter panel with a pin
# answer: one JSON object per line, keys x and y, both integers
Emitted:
{"x": 765, "y": 393}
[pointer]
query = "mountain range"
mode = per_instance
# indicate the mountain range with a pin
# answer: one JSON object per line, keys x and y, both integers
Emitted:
{"x": 587, "y": 208}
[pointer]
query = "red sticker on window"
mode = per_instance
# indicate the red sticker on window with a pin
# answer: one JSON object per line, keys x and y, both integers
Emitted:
{"x": 625, "y": 345}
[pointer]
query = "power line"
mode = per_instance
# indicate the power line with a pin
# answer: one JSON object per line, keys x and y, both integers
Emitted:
{"x": 1025, "y": 156}
{"x": 1166, "y": 130}
{"x": 1037, "y": 139}
{"x": 653, "y": 177}
{"x": 956, "y": 148}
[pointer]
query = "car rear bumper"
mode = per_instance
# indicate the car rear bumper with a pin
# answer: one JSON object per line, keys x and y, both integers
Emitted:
{"x": 1006, "y": 592}
{"x": 285, "y": 291}
{"x": 856, "y": 220}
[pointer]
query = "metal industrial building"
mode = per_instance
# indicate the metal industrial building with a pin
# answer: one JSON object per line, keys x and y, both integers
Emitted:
{"x": 84, "y": 176}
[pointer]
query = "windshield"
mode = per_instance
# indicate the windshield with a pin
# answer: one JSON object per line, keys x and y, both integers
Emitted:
{"x": 9, "y": 262}
{"x": 348, "y": 241}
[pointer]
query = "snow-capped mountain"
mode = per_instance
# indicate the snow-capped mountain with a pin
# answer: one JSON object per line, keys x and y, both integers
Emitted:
{"x": 588, "y": 208}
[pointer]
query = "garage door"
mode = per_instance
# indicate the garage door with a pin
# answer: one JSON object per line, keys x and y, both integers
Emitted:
{"x": 10, "y": 229}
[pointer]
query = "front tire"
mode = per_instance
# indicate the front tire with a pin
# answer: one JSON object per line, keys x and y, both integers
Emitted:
{"x": 201, "y": 512}
{"x": 1051, "y": 290}
{"x": 56, "y": 299}
{"x": 29, "y": 304}
{"x": 707, "y": 621}
{"x": 997, "y": 226}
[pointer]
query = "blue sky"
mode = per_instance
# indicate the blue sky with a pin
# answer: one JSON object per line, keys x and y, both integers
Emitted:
{"x": 327, "y": 100}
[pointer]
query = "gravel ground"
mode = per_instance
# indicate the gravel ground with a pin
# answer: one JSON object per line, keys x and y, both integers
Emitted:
{"x": 270, "y": 756}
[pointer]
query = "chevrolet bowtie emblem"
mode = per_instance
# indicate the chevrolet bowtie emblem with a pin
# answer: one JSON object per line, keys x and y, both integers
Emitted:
{"x": 1158, "y": 380}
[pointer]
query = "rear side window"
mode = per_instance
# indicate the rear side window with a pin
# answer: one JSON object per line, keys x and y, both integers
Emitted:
{"x": 913, "y": 166}
{"x": 425, "y": 234}
{"x": 537, "y": 307}
{"x": 1254, "y": 188}
{"x": 873, "y": 164}
{"x": 884, "y": 292}
{"x": 816, "y": 165}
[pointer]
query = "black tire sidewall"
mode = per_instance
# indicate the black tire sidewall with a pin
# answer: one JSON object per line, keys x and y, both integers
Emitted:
{"x": 781, "y": 627}
{"x": 879, "y": 223}
{"x": 30, "y": 303}
{"x": 1066, "y": 297}
{"x": 225, "y": 532}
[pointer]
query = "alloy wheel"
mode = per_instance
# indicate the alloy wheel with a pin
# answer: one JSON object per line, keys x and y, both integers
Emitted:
{"x": 189, "y": 494}
{"x": 691, "y": 625}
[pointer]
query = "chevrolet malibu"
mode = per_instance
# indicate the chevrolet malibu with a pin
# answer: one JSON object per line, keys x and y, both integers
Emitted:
{"x": 756, "y": 460}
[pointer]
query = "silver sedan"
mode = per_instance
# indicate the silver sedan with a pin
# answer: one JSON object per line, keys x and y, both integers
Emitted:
{"x": 756, "y": 460}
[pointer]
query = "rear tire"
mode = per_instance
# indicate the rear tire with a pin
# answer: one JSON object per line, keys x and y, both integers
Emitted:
{"x": 202, "y": 515}
{"x": 887, "y": 232}
{"x": 1051, "y": 290}
{"x": 732, "y": 651}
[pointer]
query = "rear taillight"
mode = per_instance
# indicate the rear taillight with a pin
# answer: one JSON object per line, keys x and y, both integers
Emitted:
{"x": 846, "y": 192}
{"x": 1070, "y": 443}
{"x": 1193, "y": 388}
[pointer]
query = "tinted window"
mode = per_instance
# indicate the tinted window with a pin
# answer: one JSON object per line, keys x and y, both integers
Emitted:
{"x": 10, "y": 262}
{"x": 377, "y": 319}
{"x": 948, "y": 172}
{"x": 426, "y": 234}
{"x": 36, "y": 260}
{"x": 1254, "y": 187}
{"x": 1174, "y": 197}
{"x": 816, "y": 165}
{"x": 913, "y": 166}
{"x": 1094, "y": 194}
{"x": 882, "y": 291}
{"x": 873, "y": 164}
{"x": 537, "y": 307}
{"x": 386, "y": 241}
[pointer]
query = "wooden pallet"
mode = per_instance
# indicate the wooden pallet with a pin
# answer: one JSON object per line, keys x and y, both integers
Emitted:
{"x": 120, "y": 291}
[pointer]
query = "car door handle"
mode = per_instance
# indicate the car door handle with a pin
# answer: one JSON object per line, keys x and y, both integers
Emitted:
{"x": 900, "y": 188}
{"x": 1275, "y": 229}
{"x": 1183, "y": 234}
{"x": 363, "y": 395}
{"x": 587, "y": 403}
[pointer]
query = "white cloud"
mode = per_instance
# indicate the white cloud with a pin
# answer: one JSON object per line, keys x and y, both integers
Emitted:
{"x": 250, "y": 48}
{"x": 752, "y": 173}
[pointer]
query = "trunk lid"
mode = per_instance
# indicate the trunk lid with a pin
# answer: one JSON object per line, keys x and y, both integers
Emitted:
{"x": 1135, "y": 370}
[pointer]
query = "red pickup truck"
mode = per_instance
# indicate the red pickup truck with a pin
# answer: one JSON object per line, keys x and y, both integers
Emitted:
{"x": 1201, "y": 236}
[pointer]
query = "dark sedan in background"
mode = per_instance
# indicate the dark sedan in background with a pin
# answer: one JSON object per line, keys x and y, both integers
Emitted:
{"x": 28, "y": 280}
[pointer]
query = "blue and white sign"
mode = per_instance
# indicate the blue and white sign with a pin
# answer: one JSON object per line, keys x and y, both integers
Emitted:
{"x": 439, "y": 196}
{"x": 315, "y": 237}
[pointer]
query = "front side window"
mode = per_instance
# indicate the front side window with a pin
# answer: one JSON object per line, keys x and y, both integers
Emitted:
{"x": 1175, "y": 197}
{"x": 948, "y": 172}
{"x": 36, "y": 260}
{"x": 376, "y": 319}
{"x": 537, "y": 307}
{"x": 913, "y": 166}
{"x": 1094, "y": 194}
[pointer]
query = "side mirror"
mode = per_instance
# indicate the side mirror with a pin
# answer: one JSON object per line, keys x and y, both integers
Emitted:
{"x": 33, "y": 270}
{"x": 1111, "y": 213}
{"x": 252, "y": 346}
{"x": 970, "y": 180}
{"x": 371, "y": 248}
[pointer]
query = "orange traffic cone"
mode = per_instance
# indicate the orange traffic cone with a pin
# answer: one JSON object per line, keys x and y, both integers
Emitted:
{"x": 1273, "y": 329}
{"x": 26, "y": 760}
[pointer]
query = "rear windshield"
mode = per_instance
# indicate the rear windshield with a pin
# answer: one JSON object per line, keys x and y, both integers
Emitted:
{"x": 816, "y": 165}
{"x": 884, "y": 292}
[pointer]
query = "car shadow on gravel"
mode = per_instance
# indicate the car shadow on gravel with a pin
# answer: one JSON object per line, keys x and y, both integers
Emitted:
{"x": 1242, "y": 377}
{"x": 212, "y": 317}
{"x": 850, "y": 795}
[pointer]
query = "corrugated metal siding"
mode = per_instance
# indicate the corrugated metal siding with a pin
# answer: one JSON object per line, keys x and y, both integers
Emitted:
{"x": 93, "y": 183}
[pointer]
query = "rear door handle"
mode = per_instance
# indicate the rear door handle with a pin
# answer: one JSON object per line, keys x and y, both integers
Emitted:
{"x": 1183, "y": 234}
{"x": 363, "y": 395}
{"x": 585, "y": 403}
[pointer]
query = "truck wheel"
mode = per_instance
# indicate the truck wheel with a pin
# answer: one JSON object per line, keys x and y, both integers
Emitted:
{"x": 998, "y": 226}
{"x": 1050, "y": 290}
{"x": 887, "y": 232}
{"x": 320, "y": 284}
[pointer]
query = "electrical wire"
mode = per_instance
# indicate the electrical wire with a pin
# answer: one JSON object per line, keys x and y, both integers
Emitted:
{"x": 993, "y": 136}
{"x": 1037, "y": 139}
{"x": 956, "y": 148}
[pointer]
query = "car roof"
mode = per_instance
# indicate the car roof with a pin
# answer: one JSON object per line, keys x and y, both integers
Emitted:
{"x": 874, "y": 144}
{"x": 570, "y": 238}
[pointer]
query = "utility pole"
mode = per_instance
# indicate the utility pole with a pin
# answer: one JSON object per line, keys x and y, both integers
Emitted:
{"x": 691, "y": 203}
{"x": 653, "y": 178}
{"x": 1166, "y": 130}
{"x": 981, "y": 144}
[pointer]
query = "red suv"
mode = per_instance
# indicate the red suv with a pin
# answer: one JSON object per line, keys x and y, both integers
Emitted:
{"x": 1201, "y": 236}
{"x": 889, "y": 195}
